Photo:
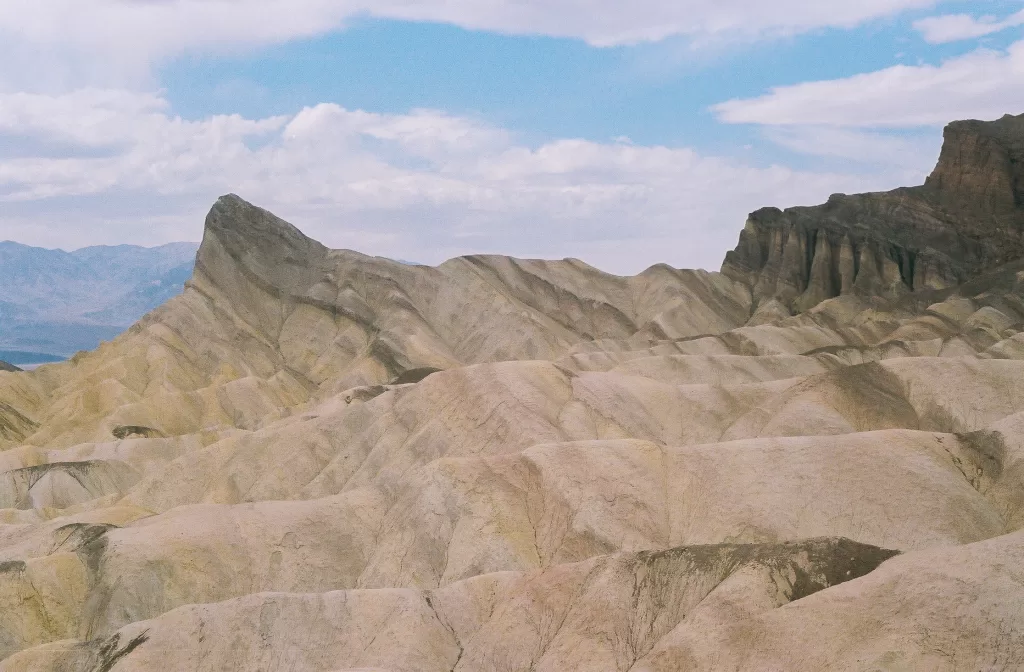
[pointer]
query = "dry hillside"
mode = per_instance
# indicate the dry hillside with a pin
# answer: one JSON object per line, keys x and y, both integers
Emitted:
{"x": 317, "y": 460}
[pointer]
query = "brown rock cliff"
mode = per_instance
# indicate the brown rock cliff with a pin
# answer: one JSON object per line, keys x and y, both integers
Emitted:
{"x": 968, "y": 217}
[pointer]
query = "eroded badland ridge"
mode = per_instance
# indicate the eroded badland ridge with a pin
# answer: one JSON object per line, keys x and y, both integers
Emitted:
{"x": 317, "y": 460}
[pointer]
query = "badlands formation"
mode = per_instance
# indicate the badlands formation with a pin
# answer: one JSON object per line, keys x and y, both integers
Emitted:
{"x": 317, "y": 460}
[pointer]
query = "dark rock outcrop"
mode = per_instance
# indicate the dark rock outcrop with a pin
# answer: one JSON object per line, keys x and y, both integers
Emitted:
{"x": 135, "y": 431}
{"x": 414, "y": 375}
{"x": 4, "y": 366}
{"x": 968, "y": 217}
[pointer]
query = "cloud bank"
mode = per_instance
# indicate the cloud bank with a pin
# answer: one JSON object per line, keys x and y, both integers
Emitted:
{"x": 423, "y": 186}
{"x": 956, "y": 27}
{"x": 984, "y": 84}
{"x": 116, "y": 42}
{"x": 88, "y": 153}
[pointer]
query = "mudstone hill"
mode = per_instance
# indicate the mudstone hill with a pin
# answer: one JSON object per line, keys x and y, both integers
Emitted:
{"x": 314, "y": 459}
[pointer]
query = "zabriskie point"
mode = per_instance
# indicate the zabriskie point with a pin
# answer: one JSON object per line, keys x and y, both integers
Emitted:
{"x": 319, "y": 460}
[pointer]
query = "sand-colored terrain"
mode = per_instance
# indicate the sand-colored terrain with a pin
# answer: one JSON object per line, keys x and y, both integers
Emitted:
{"x": 318, "y": 460}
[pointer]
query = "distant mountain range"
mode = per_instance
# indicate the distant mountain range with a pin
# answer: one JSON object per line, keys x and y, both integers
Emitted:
{"x": 54, "y": 303}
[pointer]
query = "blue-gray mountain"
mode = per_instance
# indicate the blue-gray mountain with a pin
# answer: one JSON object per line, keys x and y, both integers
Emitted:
{"x": 55, "y": 303}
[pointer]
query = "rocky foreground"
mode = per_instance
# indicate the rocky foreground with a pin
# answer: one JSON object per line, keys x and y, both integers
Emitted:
{"x": 318, "y": 460}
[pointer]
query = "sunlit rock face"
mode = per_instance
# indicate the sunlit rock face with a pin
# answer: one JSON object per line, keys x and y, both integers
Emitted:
{"x": 314, "y": 459}
{"x": 966, "y": 219}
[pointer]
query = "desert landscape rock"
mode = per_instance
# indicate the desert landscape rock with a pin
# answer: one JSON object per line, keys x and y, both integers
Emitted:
{"x": 966, "y": 219}
{"x": 314, "y": 459}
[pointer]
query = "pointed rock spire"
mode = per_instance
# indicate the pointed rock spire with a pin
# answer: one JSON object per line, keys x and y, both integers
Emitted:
{"x": 242, "y": 238}
{"x": 821, "y": 284}
{"x": 847, "y": 266}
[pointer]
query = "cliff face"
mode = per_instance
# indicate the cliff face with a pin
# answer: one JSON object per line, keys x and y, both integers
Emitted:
{"x": 968, "y": 217}
{"x": 981, "y": 168}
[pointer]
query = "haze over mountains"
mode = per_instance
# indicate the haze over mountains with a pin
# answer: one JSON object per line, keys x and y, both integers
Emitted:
{"x": 55, "y": 303}
{"x": 313, "y": 459}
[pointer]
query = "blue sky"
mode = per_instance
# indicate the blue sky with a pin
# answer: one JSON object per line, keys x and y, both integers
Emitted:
{"x": 544, "y": 87}
{"x": 622, "y": 133}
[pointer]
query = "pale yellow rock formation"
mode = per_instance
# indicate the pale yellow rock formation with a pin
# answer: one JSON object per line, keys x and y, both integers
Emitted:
{"x": 318, "y": 460}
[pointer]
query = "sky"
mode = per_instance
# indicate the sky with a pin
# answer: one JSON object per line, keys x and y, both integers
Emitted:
{"x": 621, "y": 133}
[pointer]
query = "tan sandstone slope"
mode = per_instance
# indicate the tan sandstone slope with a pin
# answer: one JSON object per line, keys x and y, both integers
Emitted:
{"x": 319, "y": 460}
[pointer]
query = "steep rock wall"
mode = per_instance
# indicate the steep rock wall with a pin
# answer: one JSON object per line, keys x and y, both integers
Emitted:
{"x": 968, "y": 217}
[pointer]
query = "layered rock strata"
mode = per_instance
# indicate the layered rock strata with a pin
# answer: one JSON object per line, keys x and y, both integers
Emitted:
{"x": 967, "y": 218}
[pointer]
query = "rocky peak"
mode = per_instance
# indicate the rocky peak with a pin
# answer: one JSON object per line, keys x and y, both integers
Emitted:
{"x": 981, "y": 167}
{"x": 241, "y": 239}
{"x": 968, "y": 217}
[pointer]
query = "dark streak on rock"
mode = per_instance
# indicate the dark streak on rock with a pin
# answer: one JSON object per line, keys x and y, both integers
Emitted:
{"x": 413, "y": 375}
{"x": 109, "y": 654}
{"x": 75, "y": 536}
{"x": 12, "y": 567}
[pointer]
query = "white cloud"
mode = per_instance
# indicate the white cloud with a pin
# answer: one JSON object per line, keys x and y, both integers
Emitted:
{"x": 98, "y": 117}
{"x": 422, "y": 186}
{"x": 62, "y": 43}
{"x": 984, "y": 84}
{"x": 914, "y": 153}
{"x": 607, "y": 22}
{"x": 955, "y": 27}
